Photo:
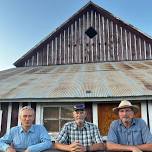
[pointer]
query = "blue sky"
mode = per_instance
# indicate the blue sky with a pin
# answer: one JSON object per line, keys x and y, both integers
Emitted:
{"x": 23, "y": 23}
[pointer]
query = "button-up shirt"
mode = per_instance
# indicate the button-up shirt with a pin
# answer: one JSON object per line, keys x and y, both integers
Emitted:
{"x": 87, "y": 135}
{"x": 137, "y": 134}
{"x": 35, "y": 140}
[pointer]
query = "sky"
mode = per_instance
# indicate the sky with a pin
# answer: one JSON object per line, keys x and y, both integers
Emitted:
{"x": 24, "y": 23}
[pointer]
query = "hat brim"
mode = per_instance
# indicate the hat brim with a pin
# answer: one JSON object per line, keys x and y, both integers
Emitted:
{"x": 134, "y": 108}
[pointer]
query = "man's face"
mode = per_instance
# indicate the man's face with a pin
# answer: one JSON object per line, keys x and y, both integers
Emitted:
{"x": 27, "y": 118}
{"x": 126, "y": 115}
{"x": 79, "y": 116}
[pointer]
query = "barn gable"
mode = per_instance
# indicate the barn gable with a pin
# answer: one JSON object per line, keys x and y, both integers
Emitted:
{"x": 91, "y": 35}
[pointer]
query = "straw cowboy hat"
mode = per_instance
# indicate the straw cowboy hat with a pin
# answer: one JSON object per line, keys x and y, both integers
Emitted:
{"x": 125, "y": 104}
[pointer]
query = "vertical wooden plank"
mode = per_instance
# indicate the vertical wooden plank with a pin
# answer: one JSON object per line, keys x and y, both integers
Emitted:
{"x": 126, "y": 44}
{"x": 72, "y": 43}
{"x": 68, "y": 44}
{"x": 60, "y": 48}
{"x": 64, "y": 51}
{"x": 121, "y": 44}
{"x": 145, "y": 57}
{"x": 112, "y": 41}
{"x": 103, "y": 33}
{"x": 108, "y": 42}
{"x": 140, "y": 48}
{"x": 130, "y": 46}
{"x": 117, "y": 42}
{"x": 150, "y": 50}
{"x": 32, "y": 60}
{"x": 53, "y": 54}
{"x": 79, "y": 40}
{"x": 56, "y": 49}
{"x": 37, "y": 59}
{"x": 135, "y": 43}
{"x": 83, "y": 41}
{"x": 101, "y": 55}
{"x": 96, "y": 40}
{"x": 47, "y": 54}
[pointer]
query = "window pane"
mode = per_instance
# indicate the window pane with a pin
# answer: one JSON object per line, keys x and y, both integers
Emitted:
{"x": 66, "y": 112}
{"x": 63, "y": 122}
{"x": 51, "y": 125}
{"x": 51, "y": 112}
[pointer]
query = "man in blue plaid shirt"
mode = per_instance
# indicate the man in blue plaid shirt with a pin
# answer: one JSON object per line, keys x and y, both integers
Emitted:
{"x": 79, "y": 135}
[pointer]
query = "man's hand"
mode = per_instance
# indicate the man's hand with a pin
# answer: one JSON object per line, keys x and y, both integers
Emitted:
{"x": 76, "y": 147}
{"x": 10, "y": 149}
{"x": 135, "y": 149}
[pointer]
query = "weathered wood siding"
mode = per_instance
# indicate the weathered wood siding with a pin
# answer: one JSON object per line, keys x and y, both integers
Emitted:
{"x": 115, "y": 41}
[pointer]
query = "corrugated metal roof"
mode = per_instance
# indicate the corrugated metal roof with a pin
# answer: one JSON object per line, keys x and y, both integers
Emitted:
{"x": 93, "y": 80}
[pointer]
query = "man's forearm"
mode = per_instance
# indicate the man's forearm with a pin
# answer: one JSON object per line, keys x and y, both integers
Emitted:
{"x": 40, "y": 147}
{"x": 95, "y": 147}
{"x": 145, "y": 147}
{"x": 63, "y": 147}
{"x": 119, "y": 147}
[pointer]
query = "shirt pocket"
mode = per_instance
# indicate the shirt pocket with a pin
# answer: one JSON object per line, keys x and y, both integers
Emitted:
{"x": 137, "y": 136}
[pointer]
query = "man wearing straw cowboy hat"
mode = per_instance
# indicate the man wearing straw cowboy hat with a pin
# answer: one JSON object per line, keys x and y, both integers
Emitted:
{"x": 128, "y": 133}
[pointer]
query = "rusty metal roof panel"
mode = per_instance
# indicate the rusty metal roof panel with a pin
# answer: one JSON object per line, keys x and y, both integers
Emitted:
{"x": 93, "y": 80}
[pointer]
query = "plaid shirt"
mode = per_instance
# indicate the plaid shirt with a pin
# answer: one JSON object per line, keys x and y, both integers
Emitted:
{"x": 87, "y": 135}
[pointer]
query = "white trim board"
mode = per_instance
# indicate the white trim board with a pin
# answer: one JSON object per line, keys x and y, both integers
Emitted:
{"x": 0, "y": 119}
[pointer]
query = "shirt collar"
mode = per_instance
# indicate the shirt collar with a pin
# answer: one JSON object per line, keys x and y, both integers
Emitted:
{"x": 30, "y": 130}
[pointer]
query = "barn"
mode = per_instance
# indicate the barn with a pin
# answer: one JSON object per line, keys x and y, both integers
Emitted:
{"x": 93, "y": 58}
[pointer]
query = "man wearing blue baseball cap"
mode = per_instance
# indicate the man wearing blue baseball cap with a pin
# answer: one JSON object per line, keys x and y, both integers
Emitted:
{"x": 79, "y": 135}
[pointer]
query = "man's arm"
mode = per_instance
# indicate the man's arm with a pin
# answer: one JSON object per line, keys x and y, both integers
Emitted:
{"x": 95, "y": 147}
{"x": 119, "y": 147}
{"x": 76, "y": 146}
{"x": 145, "y": 147}
{"x": 5, "y": 141}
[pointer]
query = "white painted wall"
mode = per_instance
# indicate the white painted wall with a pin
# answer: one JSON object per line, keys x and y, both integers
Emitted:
{"x": 9, "y": 116}
{"x": 38, "y": 114}
{"x": 0, "y": 119}
{"x": 144, "y": 111}
{"x": 150, "y": 114}
{"x": 95, "y": 113}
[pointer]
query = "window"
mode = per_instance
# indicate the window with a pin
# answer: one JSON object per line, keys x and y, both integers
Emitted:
{"x": 55, "y": 117}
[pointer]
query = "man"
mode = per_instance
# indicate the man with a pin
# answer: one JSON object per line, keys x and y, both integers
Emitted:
{"x": 128, "y": 133}
{"x": 79, "y": 135}
{"x": 27, "y": 137}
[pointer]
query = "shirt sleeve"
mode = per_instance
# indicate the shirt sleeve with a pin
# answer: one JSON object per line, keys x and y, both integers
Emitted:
{"x": 45, "y": 141}
{"x": 97, "y": 136}
{"x": 112, "y": 134}
{"x": 5, "y": 141}
{"x": 146, "y": 134}
{"x": 63, "y": 135}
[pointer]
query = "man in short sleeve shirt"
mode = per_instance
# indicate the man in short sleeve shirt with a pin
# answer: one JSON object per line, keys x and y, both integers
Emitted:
{"x": 128, "y": 133}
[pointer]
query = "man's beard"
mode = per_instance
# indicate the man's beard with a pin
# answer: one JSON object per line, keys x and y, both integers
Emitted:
{"x": 126, "y": 120}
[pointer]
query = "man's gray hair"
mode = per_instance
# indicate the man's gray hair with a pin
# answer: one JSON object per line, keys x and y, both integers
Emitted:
{"x": 26, "y": 108}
